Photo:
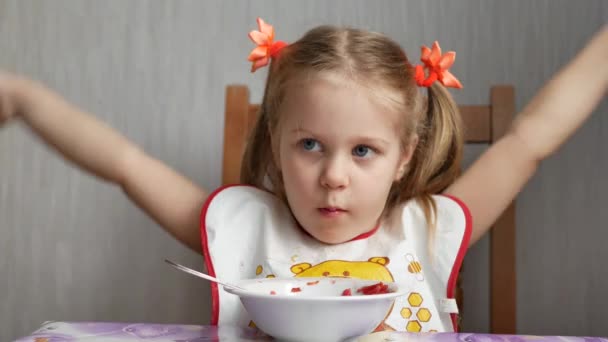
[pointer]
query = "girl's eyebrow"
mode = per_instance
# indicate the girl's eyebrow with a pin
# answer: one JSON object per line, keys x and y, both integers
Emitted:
{"x": 371, "y": 140}
{"x": 357, "y": 139}
{"x": 302, "y": 130}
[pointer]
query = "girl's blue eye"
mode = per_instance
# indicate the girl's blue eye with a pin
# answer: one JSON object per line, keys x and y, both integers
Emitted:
{"x": 309, "y": 144}
{"x": 361, "y": 150}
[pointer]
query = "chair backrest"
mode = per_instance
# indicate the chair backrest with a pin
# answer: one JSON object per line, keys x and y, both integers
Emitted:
{"x": 483, "y": 124}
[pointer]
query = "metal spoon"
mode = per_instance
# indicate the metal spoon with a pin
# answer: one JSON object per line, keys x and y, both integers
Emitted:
{"x": 203, "y": 275}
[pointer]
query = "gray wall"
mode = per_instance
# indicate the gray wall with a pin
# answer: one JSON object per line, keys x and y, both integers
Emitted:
{"x": 74, "y": 248}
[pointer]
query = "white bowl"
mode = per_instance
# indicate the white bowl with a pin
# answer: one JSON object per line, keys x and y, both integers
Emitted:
{"x": 318, "y": 311}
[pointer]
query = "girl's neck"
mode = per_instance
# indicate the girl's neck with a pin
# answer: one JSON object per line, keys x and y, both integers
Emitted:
{"x": 361, "y": 236}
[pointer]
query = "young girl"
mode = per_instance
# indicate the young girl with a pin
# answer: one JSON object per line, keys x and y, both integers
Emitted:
{"x": 352, "y": 169}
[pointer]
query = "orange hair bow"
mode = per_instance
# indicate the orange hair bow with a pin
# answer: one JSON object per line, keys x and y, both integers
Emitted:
{"x": 266, "y": 46}
{"x": 437, "y": 66}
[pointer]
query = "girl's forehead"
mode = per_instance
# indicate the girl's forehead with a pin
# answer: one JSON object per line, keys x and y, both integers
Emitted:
{"x": 336, "y": 113}
{"x": 327, "y": 96}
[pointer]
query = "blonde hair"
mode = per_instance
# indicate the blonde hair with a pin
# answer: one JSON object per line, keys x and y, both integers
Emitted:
{"x": 373, "y": 59}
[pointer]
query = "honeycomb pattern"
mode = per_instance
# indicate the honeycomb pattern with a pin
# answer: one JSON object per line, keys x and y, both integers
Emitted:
{"x": 422, "y": 314}
{"x": 413, "y": 326}
{"x": 415, "y": 299}
{"x": 406, "y": 313}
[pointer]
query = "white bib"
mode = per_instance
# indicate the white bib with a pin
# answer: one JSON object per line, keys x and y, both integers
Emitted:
{"x": 249, "y": 233}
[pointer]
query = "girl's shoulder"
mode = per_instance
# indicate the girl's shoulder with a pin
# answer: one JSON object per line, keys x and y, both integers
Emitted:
{"x": 244, "y": 200}
{"x": 446, "y": 211}
{"x": 443, "y": 242}
{"x": 240, "y": 192}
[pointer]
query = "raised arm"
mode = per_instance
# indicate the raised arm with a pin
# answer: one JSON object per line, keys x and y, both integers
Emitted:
{"x": 170, "y": 199}
{"x": 550, "y": 118}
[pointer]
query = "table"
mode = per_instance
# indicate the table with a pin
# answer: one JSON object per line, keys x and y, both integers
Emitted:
{"x": 108, "y": 331}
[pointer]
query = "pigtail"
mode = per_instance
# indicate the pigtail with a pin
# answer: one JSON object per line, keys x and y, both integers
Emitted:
{"x": 439, "y": 152}
{"x": 258, "y": 167}
{"x": 436, "y": 161}
{"x": 258, "y": 153}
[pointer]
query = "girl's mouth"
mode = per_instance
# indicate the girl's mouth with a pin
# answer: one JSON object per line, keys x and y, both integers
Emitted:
{"x": 332, "y": 211}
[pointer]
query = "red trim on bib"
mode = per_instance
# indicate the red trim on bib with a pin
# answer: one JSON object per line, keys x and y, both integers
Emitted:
{"x": 366, "y": 234}
{"x": 215, "y": 298}
{"x": 464, "y": 246}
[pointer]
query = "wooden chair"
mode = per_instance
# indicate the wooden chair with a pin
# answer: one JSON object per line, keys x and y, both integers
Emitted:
{"x": 484, "y": 124}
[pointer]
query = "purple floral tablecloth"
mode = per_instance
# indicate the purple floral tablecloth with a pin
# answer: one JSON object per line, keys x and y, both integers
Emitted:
{"x": 102, "y": 331}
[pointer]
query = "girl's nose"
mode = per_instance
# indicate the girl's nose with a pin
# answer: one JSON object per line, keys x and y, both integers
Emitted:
{"x": 336, "y": 173}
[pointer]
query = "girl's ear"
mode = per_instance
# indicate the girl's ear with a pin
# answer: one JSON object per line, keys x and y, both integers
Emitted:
{"x": 406, "y": 157}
